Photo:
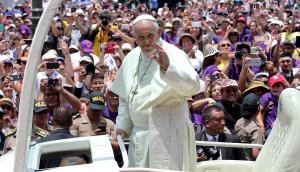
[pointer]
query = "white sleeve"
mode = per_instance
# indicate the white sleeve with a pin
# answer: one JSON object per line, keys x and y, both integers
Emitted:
{"x": 123, "y": 120}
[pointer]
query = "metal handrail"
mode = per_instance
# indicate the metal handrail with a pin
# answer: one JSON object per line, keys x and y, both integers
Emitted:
{"x": 123, "y": 151}
{"x": 227, "y": 144}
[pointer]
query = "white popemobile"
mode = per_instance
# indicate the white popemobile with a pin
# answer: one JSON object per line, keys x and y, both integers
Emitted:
{"x": 279, "y": 154}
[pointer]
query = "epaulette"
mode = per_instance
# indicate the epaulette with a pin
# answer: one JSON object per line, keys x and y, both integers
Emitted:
{"x": 41, "y": 132}
{"x": 76, "y": 116}
{"x": 10, "y": 132}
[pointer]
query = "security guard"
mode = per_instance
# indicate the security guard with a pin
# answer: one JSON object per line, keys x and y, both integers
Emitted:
{"x": 92, "y": 123}
{"x": 41, "y": 127}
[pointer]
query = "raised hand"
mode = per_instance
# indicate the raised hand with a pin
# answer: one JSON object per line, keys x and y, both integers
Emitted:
{"x": 162, "y": 58}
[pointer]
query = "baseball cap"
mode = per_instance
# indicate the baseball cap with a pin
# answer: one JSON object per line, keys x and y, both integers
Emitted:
{"x": 276, "y": 79}
{"x": 87, "y": 59}
{"x": 39, "y": 106}
{"x": 241, "y": 19}
{"x": 73, "y": 47}
{"x": 8, "y": 61}
{"x": 229, "y": 83}
{"x": 250, "y": 105}
{"x": 51, "y": 54}
{"x": 210, "y": 51}
{"x": 126, "y": 46}
{"x": 96, "y": 100}
{"x": 86, "y": 46}
{"x": 79, "y": 11}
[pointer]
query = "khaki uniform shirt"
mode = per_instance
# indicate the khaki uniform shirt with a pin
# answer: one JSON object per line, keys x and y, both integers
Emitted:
{"x": 249, "y": 131}
{"x": 82, "y": 126}
{"x": 10, "y": 140}
{"x": 38, "y": 133}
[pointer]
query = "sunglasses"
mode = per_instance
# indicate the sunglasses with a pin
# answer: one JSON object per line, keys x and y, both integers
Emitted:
{"x": 225, "y": 45}
{"x": 229, "y": 90}
{"x": 7, "y": 107}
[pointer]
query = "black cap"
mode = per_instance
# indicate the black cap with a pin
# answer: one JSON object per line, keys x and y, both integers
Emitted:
{"x": 40, "y": 106}
{"x": 96, "y": 100}
{"x": 250, "y": 105}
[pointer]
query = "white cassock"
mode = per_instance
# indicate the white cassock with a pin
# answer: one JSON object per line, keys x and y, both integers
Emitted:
{"x": 157, "y": 115}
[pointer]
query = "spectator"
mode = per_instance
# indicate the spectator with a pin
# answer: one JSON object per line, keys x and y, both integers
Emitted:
{"x": 232, "y": 109}
{"x": 93, "y": 123}
{"x": 269, "y": 103}
{"x": 112, "y": 104}
{"x": 213, "y": 130}
{"x": 62, "y": 121}
{"x": 186, "y": 43}
{"x": 2, "y": 136}
{"x": 41, "y": 127}
{"x": 247, "y": 127}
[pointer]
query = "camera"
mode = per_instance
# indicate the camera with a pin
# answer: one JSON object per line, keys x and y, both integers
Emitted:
{"x": 90, "y": 69}
{"x": 239, "y": 55}
{"x": 209, "y": 152}
{"x": 52, "y": 82}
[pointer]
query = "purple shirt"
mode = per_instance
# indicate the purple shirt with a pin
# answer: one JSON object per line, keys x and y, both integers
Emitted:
{"x": 196, "y": 118}
{"x": 270, "y": 114}
{"x": 109, "y": 115}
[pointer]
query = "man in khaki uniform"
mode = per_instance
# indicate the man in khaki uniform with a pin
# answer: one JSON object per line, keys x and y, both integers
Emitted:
{"x": 41, "y": 127}
{"x": 248, "y": 128}
{"x": 92, "y": 123}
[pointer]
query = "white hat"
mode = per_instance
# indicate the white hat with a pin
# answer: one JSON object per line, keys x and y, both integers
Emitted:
{"x": 209, "y": 51}
{"x": 278, "y": 22}
{"x": 73, "y": 47}
{"x": 79, "y": 11}
{"x": 87, "y": 59}
{"x": 143, "y": 17}
{"x": 51, "y": 54}
{"x": 126, "y": 46}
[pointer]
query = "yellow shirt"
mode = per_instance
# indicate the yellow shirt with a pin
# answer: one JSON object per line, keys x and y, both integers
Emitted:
{"x": 223, "y": 63}
{"x": 101, "y": 39}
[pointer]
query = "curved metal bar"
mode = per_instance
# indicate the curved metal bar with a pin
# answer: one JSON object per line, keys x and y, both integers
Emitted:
{"x": 28, "y": 88}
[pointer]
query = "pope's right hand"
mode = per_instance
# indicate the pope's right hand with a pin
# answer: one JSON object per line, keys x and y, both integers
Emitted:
{"x": 120, "y": 132}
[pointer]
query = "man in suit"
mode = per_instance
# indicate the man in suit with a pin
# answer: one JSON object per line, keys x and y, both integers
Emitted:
{"x": 213, "y": 130}
{"x": 62, "y": 121}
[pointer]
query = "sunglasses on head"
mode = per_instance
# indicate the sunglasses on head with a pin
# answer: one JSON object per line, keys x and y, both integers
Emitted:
{"x": 6, "y": 107}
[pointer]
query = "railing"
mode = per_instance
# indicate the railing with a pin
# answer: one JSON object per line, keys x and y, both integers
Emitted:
{"x": 227, "y": 144}
{"x": 221, "y": 144}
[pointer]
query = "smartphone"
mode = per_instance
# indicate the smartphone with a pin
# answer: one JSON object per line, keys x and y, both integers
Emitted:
{"x": 124, "y": 27}
{"x": 254, "y": 50}
{"x": 196, "y": 24}
{"x": 52, "y": 65}
{"x": 16, "y": 77}
{"x": 73, "y": 10}
{"x": 297, "y": 43}
{"x": 28, "y": 41}
{"x": 102, "y": 127}
{"x": 19, "y": 61}
{"x": 255, "y": 62}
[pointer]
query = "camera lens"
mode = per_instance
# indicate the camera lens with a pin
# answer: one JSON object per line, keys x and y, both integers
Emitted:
{"x": 51, "y": 82}
{"x": 104, "y": 23}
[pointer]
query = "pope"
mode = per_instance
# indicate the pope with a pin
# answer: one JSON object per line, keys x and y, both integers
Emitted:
{"x": 153, "y": 83}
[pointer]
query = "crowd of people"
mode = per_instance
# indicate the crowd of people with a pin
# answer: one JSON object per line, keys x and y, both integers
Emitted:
{"x": 245, "y": 53}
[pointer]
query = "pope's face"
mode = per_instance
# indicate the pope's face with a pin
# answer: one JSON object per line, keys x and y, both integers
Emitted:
{"x": 146, "y": 35}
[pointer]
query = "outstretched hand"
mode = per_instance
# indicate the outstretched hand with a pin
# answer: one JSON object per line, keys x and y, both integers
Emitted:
{"x": 162, "y": 58}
